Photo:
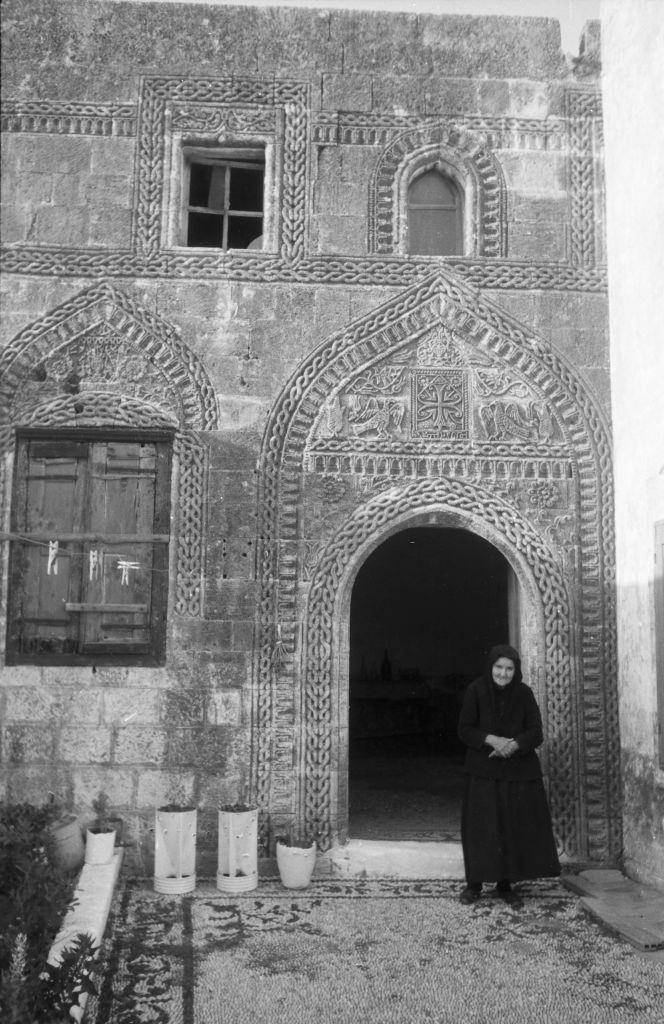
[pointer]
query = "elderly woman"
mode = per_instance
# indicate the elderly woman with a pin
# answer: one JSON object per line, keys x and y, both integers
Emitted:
{"x": 505, "y": 825}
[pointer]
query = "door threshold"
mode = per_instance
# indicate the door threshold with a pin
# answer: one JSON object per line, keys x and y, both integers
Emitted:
{"x": 385, "y": 858}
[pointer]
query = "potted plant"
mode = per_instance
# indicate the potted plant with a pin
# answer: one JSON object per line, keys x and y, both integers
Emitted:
{"x": 296, "y": 859}
{"x": 237, "y": 865}
{"x": 175, "y": 849}
{"x": 100, "y": 836}
{"x": 67, "y": 848}
{"x": 35, "y": 894}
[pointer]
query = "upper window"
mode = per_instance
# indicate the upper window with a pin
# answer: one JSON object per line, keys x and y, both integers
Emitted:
{"x": 435, "y": 215}
{"x": 89, "y": 552}
{"x": 225, "y": 206}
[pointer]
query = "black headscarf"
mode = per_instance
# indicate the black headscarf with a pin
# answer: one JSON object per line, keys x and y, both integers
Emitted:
{"x": 504, "y": 651}
{"x": 501, "y": 696}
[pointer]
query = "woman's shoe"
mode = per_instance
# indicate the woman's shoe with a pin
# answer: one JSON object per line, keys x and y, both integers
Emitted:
{"x": 470, "y": 895}
{"x": 506, "y": 893}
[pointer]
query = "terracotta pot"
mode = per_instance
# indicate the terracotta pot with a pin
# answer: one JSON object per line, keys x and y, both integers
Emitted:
{"x": 175, "y": 851}
{"x": 68, "y": 846}
{"x": 296, "y": 865}
{"x": 99, "y": 847}
{"x": 237, "y": 864}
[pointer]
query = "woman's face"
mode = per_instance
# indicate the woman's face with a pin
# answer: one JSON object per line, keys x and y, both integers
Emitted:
{"x": 502, "y": 671}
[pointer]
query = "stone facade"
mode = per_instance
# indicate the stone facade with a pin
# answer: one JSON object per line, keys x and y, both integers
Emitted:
{"x": 323, "y": 392}
{"x": 634, "y": 48}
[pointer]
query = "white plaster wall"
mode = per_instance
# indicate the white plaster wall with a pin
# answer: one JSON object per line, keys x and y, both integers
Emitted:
{"x": 633, "y": 87}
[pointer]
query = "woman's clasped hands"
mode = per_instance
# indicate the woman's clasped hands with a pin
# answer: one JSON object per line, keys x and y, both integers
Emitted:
{"x": 502, "y": 746}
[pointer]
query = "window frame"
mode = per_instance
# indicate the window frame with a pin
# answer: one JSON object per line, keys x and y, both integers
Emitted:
{"x": 417, "y": 164}
{"x": 458, "y": 209}
{"x": 229, "y": 163}
{"x": 184, "y": 152}
{"x": 153, "y": 652}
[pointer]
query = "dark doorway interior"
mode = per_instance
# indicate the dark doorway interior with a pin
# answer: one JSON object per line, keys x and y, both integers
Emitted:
{"x": 426, "y": 607}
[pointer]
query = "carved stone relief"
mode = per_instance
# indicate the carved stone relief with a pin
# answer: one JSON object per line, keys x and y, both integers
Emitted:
{"x": 470, "y": 152}
{"x": 223, "y": 107}
{"x": 438, "y": 389}
{"x": 343, "y": 454}
{"x": 244, "y": 105}
{"x": 99, "y": 360}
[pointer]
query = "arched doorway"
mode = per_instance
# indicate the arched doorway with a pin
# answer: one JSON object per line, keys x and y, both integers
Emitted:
{"x": 426, "y": 606}
{"x": 360, "y": 444}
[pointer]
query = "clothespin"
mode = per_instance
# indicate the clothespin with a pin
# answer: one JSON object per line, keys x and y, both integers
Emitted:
{"x": 124, "y": 567}
{"x": 52, "y": 565}
{"x": 94, "y": 564}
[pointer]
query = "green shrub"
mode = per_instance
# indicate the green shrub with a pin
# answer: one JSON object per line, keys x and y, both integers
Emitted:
{"x": 34, "y": 896}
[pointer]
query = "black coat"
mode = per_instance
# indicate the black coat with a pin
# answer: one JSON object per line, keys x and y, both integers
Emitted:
{"x": 513, "y": 714}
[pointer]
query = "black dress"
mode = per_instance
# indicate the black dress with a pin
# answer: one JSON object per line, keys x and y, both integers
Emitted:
{"x": 505, "y": 825}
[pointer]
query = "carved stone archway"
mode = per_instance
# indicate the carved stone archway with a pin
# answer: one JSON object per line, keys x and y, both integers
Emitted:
{"x": 471, "y": 161}
{"x": 100, "y": 360}
{"x": 436, "y": 400}
{"x": 546, "y": 633}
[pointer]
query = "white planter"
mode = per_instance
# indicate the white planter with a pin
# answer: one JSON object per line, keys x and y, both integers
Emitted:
{"x": 99, "y": 847}
{"x": 237, "y": 864}
{"x": 175, "y": 851}
{"x": 296, "y": 865}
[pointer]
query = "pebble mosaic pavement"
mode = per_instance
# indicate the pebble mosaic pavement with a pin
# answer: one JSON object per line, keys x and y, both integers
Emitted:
{"x": 380, "y": 952}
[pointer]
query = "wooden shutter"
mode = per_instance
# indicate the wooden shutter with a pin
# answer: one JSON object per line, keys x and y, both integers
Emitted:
{"x": 51, "y": 485}
{"x": 117, "y": 588}
{"x": 105, "y": 503}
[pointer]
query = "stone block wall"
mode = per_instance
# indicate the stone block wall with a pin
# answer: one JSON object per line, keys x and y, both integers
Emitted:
{"x": 633, "y": 92}
{"x": 82, "y": 138}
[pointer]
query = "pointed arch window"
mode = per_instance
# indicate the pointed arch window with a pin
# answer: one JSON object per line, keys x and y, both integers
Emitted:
{"x": 435, "y": 215}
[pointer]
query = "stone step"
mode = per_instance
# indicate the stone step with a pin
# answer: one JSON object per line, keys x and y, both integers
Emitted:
{"x": 370, "y": 858}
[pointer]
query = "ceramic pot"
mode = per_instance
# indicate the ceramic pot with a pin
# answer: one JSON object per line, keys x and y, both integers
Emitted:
{"x": 237, "y": 865}
{"x": 99, "y": 847}
{"x": 296, "y": 865}
{"x": 68, "y": 845}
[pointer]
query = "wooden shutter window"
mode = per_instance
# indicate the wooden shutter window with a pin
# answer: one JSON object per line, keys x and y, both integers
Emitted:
{"x": 89, "y": 558}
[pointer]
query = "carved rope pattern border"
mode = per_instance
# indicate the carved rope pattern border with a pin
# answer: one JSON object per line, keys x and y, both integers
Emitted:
{"x": 339, "y": 359}
{"x": 395, "y": 272}
{"x": 472, "y": 150}
{"x": 581, "y": 274}
{"x": 360, "y": 527}
{"x": 583, "y": 109}
{"x": 198, "y": 409}
{"x": 157, "y": 93}
{"x": 329, "y": 128}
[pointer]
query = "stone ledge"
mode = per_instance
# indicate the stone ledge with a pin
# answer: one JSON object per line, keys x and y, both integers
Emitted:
{"x": 89, "y": 914}
{"x": 631, "y": 909}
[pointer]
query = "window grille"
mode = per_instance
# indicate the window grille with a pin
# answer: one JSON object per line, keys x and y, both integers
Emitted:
{"x": 226, "y": 203}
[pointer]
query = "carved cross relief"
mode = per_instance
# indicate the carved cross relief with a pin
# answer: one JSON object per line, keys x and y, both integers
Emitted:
{"x": 437, "y": 408}
{"x": 438, "y": 389}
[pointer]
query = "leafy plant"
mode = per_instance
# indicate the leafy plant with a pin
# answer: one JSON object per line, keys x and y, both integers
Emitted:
{"x": 100, "y": 806}
{"x": 238, "y": 808}
{"x": 296, "y": 839}
{"x": 34, "y": 896}
{"x": 66, "y": 982}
